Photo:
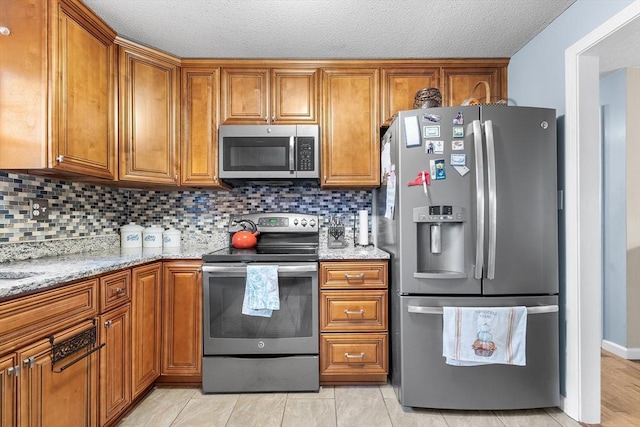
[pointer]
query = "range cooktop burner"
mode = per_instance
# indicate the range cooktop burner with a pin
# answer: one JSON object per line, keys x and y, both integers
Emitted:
{"x": 284, "y": 237}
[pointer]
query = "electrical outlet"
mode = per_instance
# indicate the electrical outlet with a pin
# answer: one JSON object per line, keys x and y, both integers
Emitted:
{"x": 39, "y": 209}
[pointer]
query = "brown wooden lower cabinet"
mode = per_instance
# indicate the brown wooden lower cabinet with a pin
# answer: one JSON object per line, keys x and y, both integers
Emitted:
{"x": 146, "y": 325}
{"x": 115, "y": 363}
{"x": 155, "y": 335}
{"x": 354, "y": 345}
{"x": 53, "y": 397}
{"x": 182, "y": 319}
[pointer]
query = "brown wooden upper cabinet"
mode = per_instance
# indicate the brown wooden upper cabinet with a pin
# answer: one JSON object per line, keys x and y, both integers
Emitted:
{"x": 199, "y": 135}
{"x": 57, "y": 102}
{"x": 399, "y": 87}
{"x": 459, "y": 82}
{"x": 269, "y": 95}
{"x": 149, "y": 119}
{"x": 350, "y": 128}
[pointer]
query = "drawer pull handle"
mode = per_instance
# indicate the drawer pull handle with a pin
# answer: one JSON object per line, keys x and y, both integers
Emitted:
{"x": 118, "y": 290}
{"x": 350, "y": 277}
{"x": 354, "y": 356}
{"x": 360, "y": 312}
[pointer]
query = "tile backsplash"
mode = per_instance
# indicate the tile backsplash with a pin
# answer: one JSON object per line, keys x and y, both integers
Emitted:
{"x": 83, "y": 210}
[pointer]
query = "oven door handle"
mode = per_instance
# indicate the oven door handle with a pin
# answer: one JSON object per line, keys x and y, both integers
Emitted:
{"x": 301, "y": 268}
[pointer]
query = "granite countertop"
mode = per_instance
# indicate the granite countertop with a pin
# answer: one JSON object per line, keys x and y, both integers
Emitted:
{"x": 21, "y": 277}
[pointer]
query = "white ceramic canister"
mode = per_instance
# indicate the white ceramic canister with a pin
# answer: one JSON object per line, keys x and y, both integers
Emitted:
{"x": 152, "y": 237}
{"x": 131, "y": 235}
{"x": 171, "y": 238}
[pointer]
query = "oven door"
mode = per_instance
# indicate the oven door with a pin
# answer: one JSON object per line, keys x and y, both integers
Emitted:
{"x": 293, "y": 329}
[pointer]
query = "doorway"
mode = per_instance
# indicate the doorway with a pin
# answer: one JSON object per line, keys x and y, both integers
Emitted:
{"x": 583, "y": 213}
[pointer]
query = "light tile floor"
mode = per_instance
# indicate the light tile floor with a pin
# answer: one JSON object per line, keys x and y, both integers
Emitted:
{"x": 361, "y": 406}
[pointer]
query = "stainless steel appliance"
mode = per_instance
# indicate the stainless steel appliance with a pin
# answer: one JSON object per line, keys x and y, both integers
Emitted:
{"x": 259, "y": 152}
{"x": 243, "y": 353}
{"x": 468, "y": 212}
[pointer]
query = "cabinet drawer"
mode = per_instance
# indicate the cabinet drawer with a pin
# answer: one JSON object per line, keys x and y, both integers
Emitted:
{"x": 115, "y": 289}
{"x": 26, "y": 319}
{"x": 353, "y": 354}
{"x": 344, "y": 311}
{"x": 353, "y": 275}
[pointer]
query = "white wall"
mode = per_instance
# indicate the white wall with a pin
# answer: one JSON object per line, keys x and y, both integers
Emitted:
{"x": 613, "y": 102}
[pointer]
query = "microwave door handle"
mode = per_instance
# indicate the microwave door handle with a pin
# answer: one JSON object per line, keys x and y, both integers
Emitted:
{"x": 292, "y": 154}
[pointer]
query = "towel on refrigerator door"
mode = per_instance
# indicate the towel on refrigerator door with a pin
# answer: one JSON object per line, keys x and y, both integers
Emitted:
{"x": 484, "y": 335}
{"x": 261, "y": 292}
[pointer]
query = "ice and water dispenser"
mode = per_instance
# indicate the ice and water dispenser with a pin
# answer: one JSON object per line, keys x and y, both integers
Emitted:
{"x": 440, "y": 251}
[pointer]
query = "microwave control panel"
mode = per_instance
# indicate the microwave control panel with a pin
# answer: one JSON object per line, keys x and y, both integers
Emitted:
{"x": 305, "y": 153}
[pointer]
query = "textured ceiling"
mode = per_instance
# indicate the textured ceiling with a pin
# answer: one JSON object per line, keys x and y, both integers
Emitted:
{"x": 333, "y": 29}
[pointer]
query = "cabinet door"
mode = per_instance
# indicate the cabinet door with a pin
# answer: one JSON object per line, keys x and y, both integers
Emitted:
{"x": 115, "y": 363}
{"x": 294, "y": 96}
{"x": 182, "y": 318}
{"x": 200, "y": 98}
{"x": 149, "y": 102}
{"x": 244, "y": 94}
{"x": 399, "y": 88}
{"x": 459, "y": 82}
{"x": 350, "y": 131}
{"x": 50, "y": 397}
{"x": 84, "y": 93}
{"x": 8, "y": 398}
{"x": 146, "y": 326}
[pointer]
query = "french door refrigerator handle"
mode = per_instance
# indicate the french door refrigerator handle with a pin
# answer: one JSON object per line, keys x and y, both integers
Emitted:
{"x": 538, "y": 309}
{"x": 477, "y": 143}
{"x": 493, "y": 199}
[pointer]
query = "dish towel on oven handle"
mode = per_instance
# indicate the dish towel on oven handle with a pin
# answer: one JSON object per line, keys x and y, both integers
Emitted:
{"x": 261, "y": 292}
{"x": 474, "y": 336}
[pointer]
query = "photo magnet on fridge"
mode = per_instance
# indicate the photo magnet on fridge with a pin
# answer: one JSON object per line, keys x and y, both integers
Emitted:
{"x": 438, "y": 147}
{"x": 458, "y": 132}
{"x": 437, "y": 169}
{"x": 458, "y": 159}
{"x": 458, "y": 119}
{"x": 431, "y": 131}
{"x": 457, "y": 144}
{"x": 432, "y": 118}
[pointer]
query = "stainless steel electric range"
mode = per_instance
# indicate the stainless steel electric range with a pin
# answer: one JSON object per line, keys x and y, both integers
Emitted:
{"x": 247, "y": 353}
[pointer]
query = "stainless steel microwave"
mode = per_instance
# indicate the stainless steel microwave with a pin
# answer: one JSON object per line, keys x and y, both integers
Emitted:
{"x": 269, "y": 151}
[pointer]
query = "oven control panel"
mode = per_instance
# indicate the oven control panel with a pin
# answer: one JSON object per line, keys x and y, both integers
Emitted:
{"x": 281, "y": 222}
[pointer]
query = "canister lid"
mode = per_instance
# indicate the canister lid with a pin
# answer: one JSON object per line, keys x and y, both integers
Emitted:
{"x": 132, "y": 227}
{"x": 153, "y": 229}
{"x": 171, "y": 232}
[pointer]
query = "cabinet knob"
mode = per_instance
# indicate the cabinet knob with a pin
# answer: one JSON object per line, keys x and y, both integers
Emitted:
{"x": 108, "y": 324}
{"x": 60, "y": 158}
{"x": 325, "y": 179}
{"x": 175, "y": 178}
{"x": 29, "y": 362}
{"x": 273, "y": 118}
{"x": 266, "y": 118}
{"x": 4, "y": 31}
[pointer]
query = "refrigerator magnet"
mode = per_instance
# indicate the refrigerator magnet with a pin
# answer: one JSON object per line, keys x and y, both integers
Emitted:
{"x": 431, "y": 118}
{"x": 431, "y": 131}
{"x": 462, "y": 170}
{"x": 429, "y": 147}
{"x": 437, "y": 169}
{"x": 458, "y": 119}
{"x": 458, "y": 132}
{"x": 458, "y": 159}
{"x": 457, "y": 144}
{"x": 438, "y": 147}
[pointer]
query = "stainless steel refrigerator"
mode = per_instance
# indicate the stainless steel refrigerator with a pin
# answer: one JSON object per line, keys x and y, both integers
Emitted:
{"x": 468, "y": 211}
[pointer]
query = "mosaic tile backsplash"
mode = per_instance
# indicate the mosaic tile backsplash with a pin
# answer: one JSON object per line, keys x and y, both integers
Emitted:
{"x": 79, "y": 210}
